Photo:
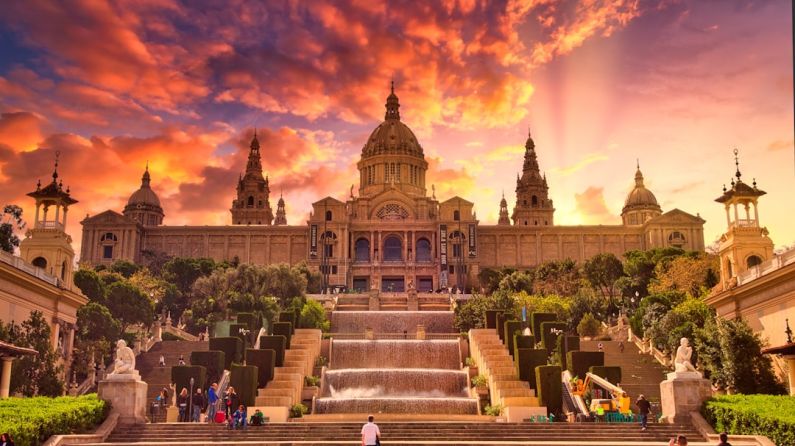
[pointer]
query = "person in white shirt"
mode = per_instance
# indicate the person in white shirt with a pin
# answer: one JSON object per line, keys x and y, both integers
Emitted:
{"x": 371, "y": 435}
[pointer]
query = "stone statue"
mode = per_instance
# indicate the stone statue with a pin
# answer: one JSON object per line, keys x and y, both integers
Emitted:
{"x": 683, "y": 353}
{"x": 125, "y": 359}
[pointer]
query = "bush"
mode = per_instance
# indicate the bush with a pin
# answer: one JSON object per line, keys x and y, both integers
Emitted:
{"x": 479, "y": 381}
{"x": 253, "y": 324}
{"x": 589, "y": 326}
{"x": 181, "y": 375}
{"x": 550, "y": 332}
{"x": 311, "y": 381}
{"x": 535, "y": 322}
{"x": 298, "y": 410}
{"x": 511, "y": 329}
{"x": 265, "y": 360}
{"x": 611, "y": 373}
{"x": 31, "y": 421}
{"x": 769, "y": 415}
{"x": 213, "y": 361}
{"x": 549, "y": 388}
{"x": 232, "y": 348}
{"x": 493, "y": 410}
{"x": 527, "y": 359}
{"x": 314, "y": 316}
{"x": 283, "y": 329}
{"x": 275, "y": 343}
{"x": 244, "y": 379}
{"x": 580, "y": 362}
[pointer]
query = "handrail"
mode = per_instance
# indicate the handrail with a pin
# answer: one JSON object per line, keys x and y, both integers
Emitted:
{"x": 578, "y": 401}
{"x": 179, "y": 333}
{"x": 262, "y": 332}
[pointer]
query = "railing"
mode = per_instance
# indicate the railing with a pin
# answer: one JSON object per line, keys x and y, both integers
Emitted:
{"x": 645, "y": 347}
{"x": 394, "y": 336}
{"x": 21, "y": 265}
{"x": 179, "y": 333}
{"x": 262, "y": 332}
{"x": 767, "y": 267}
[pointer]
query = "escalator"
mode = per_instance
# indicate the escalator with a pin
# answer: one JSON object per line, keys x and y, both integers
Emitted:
{"x": 572, "y": 404}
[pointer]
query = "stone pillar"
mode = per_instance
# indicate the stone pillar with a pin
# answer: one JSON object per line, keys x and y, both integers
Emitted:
{"x": 682, "y": 393}
{"x": 421, "y": 332}
{"x": 413, "y": 301}
{"x": 374, "y": 304}
{"x": 158, "y": 331}
{"x": 5, "y": 377}
{"x": 790, "y": 366}
{"x": 369, "y": 334}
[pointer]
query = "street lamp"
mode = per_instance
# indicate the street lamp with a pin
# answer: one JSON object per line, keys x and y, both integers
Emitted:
{"x": 190, "y": 400}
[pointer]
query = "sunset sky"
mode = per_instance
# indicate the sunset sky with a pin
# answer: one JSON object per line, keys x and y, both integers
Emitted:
{"x": 676, "y": 84}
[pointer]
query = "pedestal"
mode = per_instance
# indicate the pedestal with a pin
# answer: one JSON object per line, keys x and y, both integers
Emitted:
{"x": 374, "y": 304}
{"x": 127, "y": 395}
{"x": 682, "y": 393}
{"x": 172, "y": 414}
{"x": 413, "y": 302}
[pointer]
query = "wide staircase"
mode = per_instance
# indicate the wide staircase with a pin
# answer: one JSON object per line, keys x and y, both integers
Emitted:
{"x": 157, "y": 378}
{"x": 288, "y": 381}
{"x": 640, "y": 374}
{"x": 353, "y": 302}
{"x": 448, "y": 433}
{"x": 494, "y": 362}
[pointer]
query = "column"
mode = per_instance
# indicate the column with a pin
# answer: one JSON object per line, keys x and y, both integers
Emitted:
{"x": 756, "y": 214}
{"x": 57, "y": 212}
{"x": 790, "y": 366}
{"x": 64, "y": 218}
{"x": 248, "y": 248}
{"x": 56, "y": 331}
{"x": 405, "y": 246}
{"x": 736, "y": 214}
{"x": 5, "y": 377}
{"x": 747, "y": 213}
{"x": 728, "y": 217}
{"x": 372, "y": 246}
{"x": 38, "y": 206}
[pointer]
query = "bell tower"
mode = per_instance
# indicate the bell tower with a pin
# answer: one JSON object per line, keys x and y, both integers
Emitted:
{"x": 252, "y": 205}
{"x": 503, "y": 220}
{"x": 47, "y": 245}
{"x": 745, "y": 243}
{"x": 533, "y": 206}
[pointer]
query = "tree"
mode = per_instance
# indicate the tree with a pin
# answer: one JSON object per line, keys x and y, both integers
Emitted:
{"x": 129, "y": 305}
{"x": 560, "y": 306}
{"x": 95, "y": 322}
{"x": 154, "y": 261}
{"x": 691, "y": 275}
{"x": 516, "y": 282}
{"x": 90, "y": 284}
{"x": 125, "y": 268}
{"x": 183, "y": 272}
{"x": 313, "y": 279}
{"x": 12, "y": 221}
{"x": 472, "y": 314}
{"x": 602, "y": 271}
{"x": 589, "y": 326}
{"x": 561, "y": 277}
{"x": 489, "y": 278}
{"x": 34, "y": 374}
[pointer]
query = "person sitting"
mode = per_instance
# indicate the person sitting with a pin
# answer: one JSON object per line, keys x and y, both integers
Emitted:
{"x": 5, "y": 440}
{"x": 238, "y": 418}
{"x": 258, "y": 419}
{"x": 724, "y": 439}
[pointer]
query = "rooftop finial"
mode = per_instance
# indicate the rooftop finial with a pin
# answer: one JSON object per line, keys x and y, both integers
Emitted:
{"x": 392, "y": 86}
{"x": 737, "y": 163}
{"x": 637, "y": 163}
{"x": 147, "y": 165}
{"x": 55, "y": 170}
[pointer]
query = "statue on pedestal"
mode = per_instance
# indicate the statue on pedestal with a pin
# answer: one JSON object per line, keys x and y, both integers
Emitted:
{"x": 125, "y": 359}
{"x": 683, "y": 353}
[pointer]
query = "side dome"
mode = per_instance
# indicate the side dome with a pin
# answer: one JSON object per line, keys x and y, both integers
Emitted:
{"x": 144, "y": 205}
{"x": 144, "y": 195}
{"x": 641, "y": 204}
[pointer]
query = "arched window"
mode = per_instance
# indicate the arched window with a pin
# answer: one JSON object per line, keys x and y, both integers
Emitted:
{"x": 328, "y": 215}
{"x": 393, "y": 249}
{"x": 676, "y": 239}
{"x": 729, "y": 269}
{"x": 423, "y": 250}
{"x": 108, "y": 237}
{"x": 40, "y": 262}
{"x": 362, "y": 250}
{"x": 753, "y": 260}
{"x": 456, "y": 215}
{"x": 250, "y": 201}
{"x": 63, "y": 270}
{"x": 534, "y": 201}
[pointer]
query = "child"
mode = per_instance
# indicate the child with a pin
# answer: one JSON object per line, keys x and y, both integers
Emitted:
{"x": 258, "y": 419}
{"x": 238, "y": 418}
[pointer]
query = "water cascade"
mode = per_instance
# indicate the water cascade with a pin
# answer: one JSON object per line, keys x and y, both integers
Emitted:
{"x": 392, "y": 321}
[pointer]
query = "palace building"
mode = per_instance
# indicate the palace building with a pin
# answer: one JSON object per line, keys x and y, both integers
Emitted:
{"x": 394, "y": 234}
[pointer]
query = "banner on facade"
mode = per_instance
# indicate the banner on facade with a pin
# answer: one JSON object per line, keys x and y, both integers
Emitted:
{"x": 443, "y": 247}
{"x": 313, "y": 240}
{"x": 472, "y": 250}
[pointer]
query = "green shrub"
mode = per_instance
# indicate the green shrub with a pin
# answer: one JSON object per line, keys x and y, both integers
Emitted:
{"x": 524, "y": 341}
{"x": 549, "y": 388}
{"x": 167, "y": 336}
{"x": 232, "y": 348}
{"x": 213, "y": 361}
{"x": 479, "y": 381}
{"x": 31, "y": 421}
{"x": 244, "y": 379}
{"x": 770, "y": 415}
{"x": 527, "y": 359}
{"x": 469, "y": 362}
{"x": 494, "y": 411}
{"x": 298, "y": 410}
{"x": 565, "y": 344}
{"x": 511, "y": 329}
{"x": 311, "y": 381}
{"x": 275, "y": 343}
{"x": 181, "y": 375}
{"x": 611, "y": 373}
{"x": 314, "y": 316}
{"x": 579, "y": 362}
{"x": 265, "y": 361}
{"x": 549, "y": 337}
{"x": 589, "y": 326}
{"x": 288, "y": 316}
{"x": 234, "y": 330}
{"x": 535, "y": 322}
{"x": 501, "y": 318}
{"x": 283, "y": 329}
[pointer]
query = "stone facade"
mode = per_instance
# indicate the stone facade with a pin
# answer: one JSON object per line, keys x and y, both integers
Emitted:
{"x": 395, "y": 233}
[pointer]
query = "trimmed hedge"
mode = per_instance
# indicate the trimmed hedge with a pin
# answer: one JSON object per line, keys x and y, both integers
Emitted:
{"x": 250, "y": 320}
{"x": 234, "y": 330}
{"x": 537, "y": 318}
{"x": 289, "y": 316}
{"x": 276, "y": 343}
{"x": 563, "y": 351}
{"x": 265, "y": 361}
{"x": 283, "y": 329}
{"x": 213, "y": 361}
{"x": 232, "y": 348}
{"x": 527, "y": 359}
{"x": 501, "y": 318}
{"x": 611, "y": 373}
{"x": 549, "y": 388}
{"x": 770, "y": 415}
{"x": 511, "y": 329}
{"x": 579, "y": 362}
{"x": 491, "y": 318}
{"x": 549, "y": 339}
{"x": 181, "y": 375}
{"x": 244, "y": 380}
{"x": 524, "y": 341}
{"x": 31, "y": 421}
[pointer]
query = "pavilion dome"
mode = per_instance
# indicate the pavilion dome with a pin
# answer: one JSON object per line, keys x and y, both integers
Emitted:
{"x": 392, "y": 137}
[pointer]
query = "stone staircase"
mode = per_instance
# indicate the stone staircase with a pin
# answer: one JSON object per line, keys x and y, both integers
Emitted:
{"x": 288, "y": 381}
{"x": 448, "y": 433}
{"x": 494, "y": 362}
{"x": 433, "y": 302}
{"x": 354, "y": 302}
{"x": 157, "y": 377}
{"x": 640, "y": 374}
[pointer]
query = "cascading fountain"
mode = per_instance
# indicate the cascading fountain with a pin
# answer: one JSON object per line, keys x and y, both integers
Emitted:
{"x": 405, "y": 376}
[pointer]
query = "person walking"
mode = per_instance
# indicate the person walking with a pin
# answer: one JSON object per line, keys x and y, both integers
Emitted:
{"x": 601, "y": 347}
{"x": 212, "y": 400}
{"x": 724, "y": 439}
{"x": 621, "y": 347}
{"x": 644, "y": 407}
{"x": 198, "y": 403}
{"x": 182, "y": 404}
{"x": 371, "y": 435}
{"x": 181, "y": 360}
{"x": 162, "y": 361}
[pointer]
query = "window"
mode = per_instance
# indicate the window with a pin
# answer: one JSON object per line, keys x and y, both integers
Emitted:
{"x": 328, "y": 269}
{"x": 108, "y": 237}
{"x": 525, "y": 222}
{"x": 456, "y": 250}
{"x": 676, "y": 239}
{"x": 328, "y": 240}
{"x": 392, "y": 211}
{"x": 456, "y": 215}
{"x": 63, "y": 270}
{"x": 536, "y": 223}
{"x": 40, "y": 262}
{"x": 534, "y": 201}
{"x": 259, "y": 203}
{"x": 107, "y": 252}
{"x": 753, "y": 261}
{"x": 393, "y": 249}
{"x": 362, "y": 250}
{"x": 328, "y": 215}
{"x": 251, "y": 201}
{"x": 423, "y": 250}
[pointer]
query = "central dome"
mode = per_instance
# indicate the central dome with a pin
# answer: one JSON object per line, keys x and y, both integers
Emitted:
{"x": 392, "y": 136}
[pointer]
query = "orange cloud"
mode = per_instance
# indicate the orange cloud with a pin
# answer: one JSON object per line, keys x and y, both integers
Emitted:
{"x": 592, "y": 208}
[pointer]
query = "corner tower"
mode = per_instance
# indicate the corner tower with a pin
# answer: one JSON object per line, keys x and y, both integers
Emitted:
{"x": 392, "y": 156}
{"x": 533, "y": 206}
{"x": 47, "y": 245}
{"x": 745, "y": 243}
{"x": 252, "y": 205}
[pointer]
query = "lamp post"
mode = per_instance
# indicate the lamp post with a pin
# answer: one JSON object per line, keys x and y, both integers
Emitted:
{"x": 190, "y": 400}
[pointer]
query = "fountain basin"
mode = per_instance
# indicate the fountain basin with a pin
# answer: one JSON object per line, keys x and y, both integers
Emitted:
{"x": 392, "y": 321}
{"x": 412, "y": 405}
{"x": 406, "y": 383}
{"x": 412, "y": 354}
